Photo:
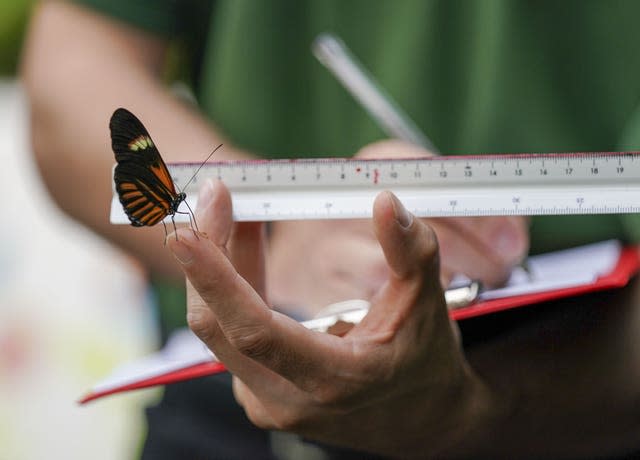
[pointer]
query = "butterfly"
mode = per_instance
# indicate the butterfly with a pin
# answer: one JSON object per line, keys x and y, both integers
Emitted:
{"x": 143, "y": 182}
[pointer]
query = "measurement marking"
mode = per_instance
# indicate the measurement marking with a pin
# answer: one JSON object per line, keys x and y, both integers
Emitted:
{"x": 605, "y": 183}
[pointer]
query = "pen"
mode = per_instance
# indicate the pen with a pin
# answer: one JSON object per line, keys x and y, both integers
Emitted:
{"x": 336, "y": 57}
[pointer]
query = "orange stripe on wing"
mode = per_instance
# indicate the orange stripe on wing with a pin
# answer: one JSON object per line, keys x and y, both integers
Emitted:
{"x": 160, "y": 171}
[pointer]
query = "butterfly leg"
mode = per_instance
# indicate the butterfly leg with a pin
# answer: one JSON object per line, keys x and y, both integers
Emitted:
{"x": 166, "y": 233}
{"x": 192, "y": 218}
{"x": 192, "y": 221}
{"x": 175, "y": 229}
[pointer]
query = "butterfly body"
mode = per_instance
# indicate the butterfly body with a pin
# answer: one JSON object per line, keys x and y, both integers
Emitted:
{"x": 143, "y": 182}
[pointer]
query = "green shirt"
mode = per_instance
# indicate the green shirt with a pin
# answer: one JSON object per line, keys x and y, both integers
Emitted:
{"x": 487, "y": 76}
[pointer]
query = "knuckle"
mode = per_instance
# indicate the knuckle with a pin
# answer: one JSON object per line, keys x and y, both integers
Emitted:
{"x": 342, "y": 393}
{"x": 325, "y": 395}
{"x": 252, "y": 341}
{"x": 340, "y": 401}
{"x": 199, "y": 321}
{"x": 291, "y": 420}
{"x": 259, "y": 418}
{"x": 332, "y": 397}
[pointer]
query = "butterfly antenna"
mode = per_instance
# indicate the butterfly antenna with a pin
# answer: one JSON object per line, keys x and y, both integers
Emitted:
{"x": 200, "y": 167}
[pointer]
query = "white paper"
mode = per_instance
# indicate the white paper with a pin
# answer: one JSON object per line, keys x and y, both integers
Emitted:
{"x": 183, "y": 349}
{"x": 559, "y": 270}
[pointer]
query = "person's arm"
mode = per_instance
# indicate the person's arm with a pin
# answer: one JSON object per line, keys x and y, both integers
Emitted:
{"x": 78, "y": 67}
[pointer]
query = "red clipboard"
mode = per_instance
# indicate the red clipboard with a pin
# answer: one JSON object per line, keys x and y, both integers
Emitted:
{"x": 627, "y": 265}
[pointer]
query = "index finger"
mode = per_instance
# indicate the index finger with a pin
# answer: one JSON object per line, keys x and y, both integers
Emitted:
{"x": 279, "y": 343}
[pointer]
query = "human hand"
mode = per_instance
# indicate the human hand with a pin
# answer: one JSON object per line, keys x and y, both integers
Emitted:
{"x": 313, "y": 264}
{"x": 483, "y": 248}
{"x": 396, "y": 384}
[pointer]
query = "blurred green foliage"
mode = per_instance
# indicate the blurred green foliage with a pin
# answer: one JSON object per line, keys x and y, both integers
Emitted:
{"x": 14, "y": 15}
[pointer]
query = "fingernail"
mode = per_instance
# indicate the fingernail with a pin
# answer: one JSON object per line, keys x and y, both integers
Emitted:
{"x": 205, "y": 196}
{"x": 403, "y": 217}
{"x": 180, "y": 248}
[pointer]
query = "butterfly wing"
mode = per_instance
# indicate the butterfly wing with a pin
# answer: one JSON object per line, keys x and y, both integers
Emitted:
{"x": 143, "y": 201}
{"x": 143, "y": 183}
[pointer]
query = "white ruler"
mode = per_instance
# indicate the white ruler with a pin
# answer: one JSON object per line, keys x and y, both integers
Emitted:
{"x": 488, "y": 185}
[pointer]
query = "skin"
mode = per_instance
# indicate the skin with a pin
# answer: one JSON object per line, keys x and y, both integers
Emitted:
{"x": 78, "y": 68}
{"x": 400, "y": 370}
{"x": 347, "y": 255}
{"x": 565, "y": 384}
{"x": 391, "y": 396}
{"x": 73, "y": 55}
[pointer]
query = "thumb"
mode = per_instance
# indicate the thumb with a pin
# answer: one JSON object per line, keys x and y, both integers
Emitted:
{"x": 410, "y": 246}
{"x": 411, "y": 250}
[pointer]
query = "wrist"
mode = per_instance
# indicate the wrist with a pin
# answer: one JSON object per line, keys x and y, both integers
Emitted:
{"x": 480, "y": 418}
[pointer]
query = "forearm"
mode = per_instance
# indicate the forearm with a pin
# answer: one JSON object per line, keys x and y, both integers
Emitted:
{"x": 78, "y": 67}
